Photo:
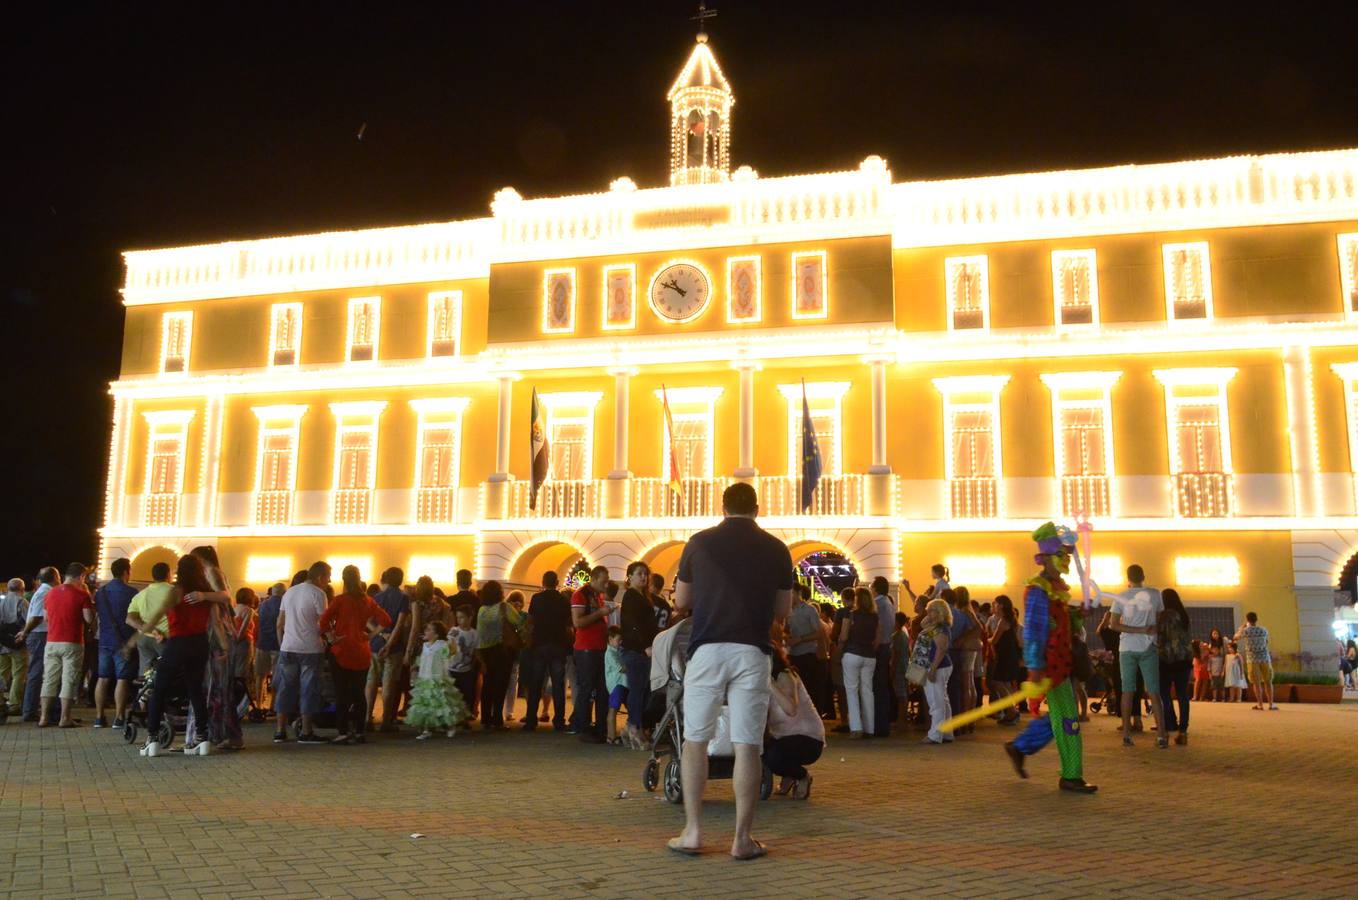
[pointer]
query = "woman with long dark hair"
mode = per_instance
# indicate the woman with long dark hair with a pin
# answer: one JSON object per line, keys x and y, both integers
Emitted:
{"x": 1006, "y": 669}
{"x": 796, "y": 732}
{"x": 1176, "y": 665}
{"x": 493, "y": 619}
{"x": 184, "y": 656}
{"x": 859, "y": 644}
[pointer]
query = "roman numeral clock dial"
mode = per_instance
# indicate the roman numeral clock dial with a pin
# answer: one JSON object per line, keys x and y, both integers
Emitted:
{"x": 680, "y": 292}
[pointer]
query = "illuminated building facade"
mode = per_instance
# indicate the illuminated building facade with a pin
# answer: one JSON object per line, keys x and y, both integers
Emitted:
{"x": 1169, "y": 350}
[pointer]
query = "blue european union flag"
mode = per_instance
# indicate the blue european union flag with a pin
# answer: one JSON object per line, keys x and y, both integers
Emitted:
{"x": 811, "y": 464}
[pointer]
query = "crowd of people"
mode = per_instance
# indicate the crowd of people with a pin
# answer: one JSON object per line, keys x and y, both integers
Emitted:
{"x": 357, "y": 657}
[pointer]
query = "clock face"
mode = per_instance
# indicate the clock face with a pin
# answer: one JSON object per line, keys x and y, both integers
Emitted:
{"x": 680, "y": 292}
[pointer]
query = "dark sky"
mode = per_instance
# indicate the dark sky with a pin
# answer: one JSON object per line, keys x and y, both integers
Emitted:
{"x": 143, "y": 126}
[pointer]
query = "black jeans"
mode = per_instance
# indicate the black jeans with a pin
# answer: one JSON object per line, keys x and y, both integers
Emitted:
{"x": 590, "y": 689}
{"x": 789, "y": 756}
{"x": 883, "y": 697}
{"x": 541, "y": 662}
{"x": 638, "y": 666}
{"x": 813, "y": 674}
{"x": 351, "y": 707}
{"x": 182, "y": 664}
{"x": 1179, "y": 677}
{"x": 496, "y": 662}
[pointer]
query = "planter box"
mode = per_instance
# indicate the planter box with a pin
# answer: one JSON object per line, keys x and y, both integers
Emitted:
{"x": 1308, "y": 693}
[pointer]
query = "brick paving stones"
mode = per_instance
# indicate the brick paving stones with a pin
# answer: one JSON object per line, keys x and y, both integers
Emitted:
{"x": 1252, "y": 807}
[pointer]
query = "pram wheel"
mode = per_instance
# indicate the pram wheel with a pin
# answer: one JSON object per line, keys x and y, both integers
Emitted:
{"x": 166, "y": 735}
{"x": 650, "y": 776}
{"x": 766, "y": 784}
{"x": 674, "y": 791}
{"x": 130, "y": 732}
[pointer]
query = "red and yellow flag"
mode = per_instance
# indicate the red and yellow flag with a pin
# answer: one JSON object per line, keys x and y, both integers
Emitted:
{"x": 675, "y": 484}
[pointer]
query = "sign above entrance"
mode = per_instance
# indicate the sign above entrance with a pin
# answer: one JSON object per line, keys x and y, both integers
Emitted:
{"x": 682, "y": 217}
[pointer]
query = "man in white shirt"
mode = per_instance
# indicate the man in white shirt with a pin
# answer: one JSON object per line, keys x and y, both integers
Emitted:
{"x": 301, "y": 652}
{"x": 1136, "y": 616}
{"x": 34, "y": 634}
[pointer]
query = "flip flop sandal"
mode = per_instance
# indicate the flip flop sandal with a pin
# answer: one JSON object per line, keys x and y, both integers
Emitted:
{"x": 758, "y": 851}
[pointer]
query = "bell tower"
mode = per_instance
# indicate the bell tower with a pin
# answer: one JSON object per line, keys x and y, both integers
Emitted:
{"x": 700, "y": 120}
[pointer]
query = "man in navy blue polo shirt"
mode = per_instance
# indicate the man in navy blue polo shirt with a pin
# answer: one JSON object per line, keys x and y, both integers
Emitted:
{"x": 110, "y": 603}
{"x": 737, "y": 579}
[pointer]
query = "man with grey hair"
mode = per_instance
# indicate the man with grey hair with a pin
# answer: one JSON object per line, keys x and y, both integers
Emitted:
{"x": 34, "y": 634}
{"x": 13, "y": 656}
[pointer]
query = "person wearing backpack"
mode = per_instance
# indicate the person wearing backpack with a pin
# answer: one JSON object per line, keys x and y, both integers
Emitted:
{"x": 1176, "y": 664}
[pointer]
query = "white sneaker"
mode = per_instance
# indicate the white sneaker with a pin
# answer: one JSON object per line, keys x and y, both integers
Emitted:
{"x": 150, "y": 748}
{"x": 422, "y": 736}
{"x": 452, "y": 731}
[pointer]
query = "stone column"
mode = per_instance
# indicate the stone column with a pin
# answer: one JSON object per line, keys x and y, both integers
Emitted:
{"x": 745, "y": 470}
{"x": 881, "y": 501}
{"x": 615, "y": 487}
{"x": 497, "y": 486}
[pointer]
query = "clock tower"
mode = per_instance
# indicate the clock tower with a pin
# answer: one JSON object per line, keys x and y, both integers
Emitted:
{"x": 700, "y": 120}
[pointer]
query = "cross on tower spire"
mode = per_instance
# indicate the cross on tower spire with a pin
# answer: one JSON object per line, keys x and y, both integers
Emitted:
{"x": 701, "y": 18}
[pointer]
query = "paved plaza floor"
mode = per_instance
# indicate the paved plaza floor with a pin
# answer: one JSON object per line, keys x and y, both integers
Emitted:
{"x": 1258, "y": 804}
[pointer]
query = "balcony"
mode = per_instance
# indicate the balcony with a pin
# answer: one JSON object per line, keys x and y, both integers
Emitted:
{"x": 273, "y": 507}
{"x": 1085, "y": 495}
{"x": 162, "y": 510}
{"x": 352, "y": 506}
{"x": 1202, "y": 495}
{"x": 974, "y": 498}
{"x": 435, "y": 505}
{"x": 555, "y": 500}
{"x": 839, "y": 495}
{"x": 653, "y": 498}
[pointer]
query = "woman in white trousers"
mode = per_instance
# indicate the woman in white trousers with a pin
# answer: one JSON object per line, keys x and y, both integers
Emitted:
{"x": 859, "y": 643}
{"x": 931, "y": 652}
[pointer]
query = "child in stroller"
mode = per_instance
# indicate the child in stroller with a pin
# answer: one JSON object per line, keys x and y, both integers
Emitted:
{"x": 668, "y": 735}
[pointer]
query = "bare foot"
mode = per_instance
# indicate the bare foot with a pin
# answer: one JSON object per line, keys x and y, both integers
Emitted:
{"x": 750, "y": 849}
{"x": 685, "y": 845}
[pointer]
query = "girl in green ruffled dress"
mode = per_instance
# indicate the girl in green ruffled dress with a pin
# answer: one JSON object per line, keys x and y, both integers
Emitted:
{"x": 435, "y": 702}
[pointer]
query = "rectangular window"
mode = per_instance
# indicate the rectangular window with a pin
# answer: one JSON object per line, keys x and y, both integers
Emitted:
{"x": 445, "y": 323}
{"x": 558, "y": 301}
{"x": 1188, "y": 281}
{"x": 825, "y": 425}
{"x": 974, "y": 481}
{"x": 1084, "y": 462}
{"x": 809, "y": 286}
{"x": 691, "y": 447}
{"x": 1202, "y": 483}
{"x": 1076, "y": 288}
{"x": 620, "y": 297}
{"x": 438, "y": 473}
{"x": 570, "y": 449}
{"x": 365, "y": 319}
{"x": 176, "y": 335}
{"x": 277, "y": 470}
{"x": 165, "y": 449}
{"x": 743, "y": 289}
{"x": 1348, "y": 272}
{"x": 285, "y": 334}
{"x": 355, "y": 461}
{"x": 968, "y": 289}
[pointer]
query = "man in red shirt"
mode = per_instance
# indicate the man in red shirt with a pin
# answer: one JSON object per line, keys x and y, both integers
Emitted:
{"x": 590, "y": 609}
{"x": 69, "y": 610}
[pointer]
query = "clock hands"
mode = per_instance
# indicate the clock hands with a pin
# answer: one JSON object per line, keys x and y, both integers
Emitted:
{"x": 671, "y": 284}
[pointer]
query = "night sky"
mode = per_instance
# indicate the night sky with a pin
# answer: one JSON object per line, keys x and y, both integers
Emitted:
{"x": 142, "y": 126}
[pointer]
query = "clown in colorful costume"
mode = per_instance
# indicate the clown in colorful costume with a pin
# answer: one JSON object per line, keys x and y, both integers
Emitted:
{"x": 1047, "y": 624}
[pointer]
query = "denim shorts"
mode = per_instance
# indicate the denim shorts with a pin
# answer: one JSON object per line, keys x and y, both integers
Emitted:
{"x": 296, "y": 683}
{"x": 112, "y": 664}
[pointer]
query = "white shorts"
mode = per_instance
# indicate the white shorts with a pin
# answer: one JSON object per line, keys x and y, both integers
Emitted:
{"x": 736, "y": 675}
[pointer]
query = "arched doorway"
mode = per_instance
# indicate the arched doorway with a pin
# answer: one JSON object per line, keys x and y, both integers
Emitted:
{"x": 827, "y": 572}
{"x": 546, "y": 556}
{"x": 144, "y": 561}
{"x": 663, "y": 558}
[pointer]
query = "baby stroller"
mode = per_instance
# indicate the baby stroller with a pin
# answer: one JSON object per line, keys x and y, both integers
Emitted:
{"x": 668, "y": 734}
{"x": 174, "y": 717}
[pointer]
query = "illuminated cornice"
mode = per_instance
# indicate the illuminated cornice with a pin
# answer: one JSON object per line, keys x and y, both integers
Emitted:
{"x": 1230, "y": 192}
{"x": 1217, "y": 193}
